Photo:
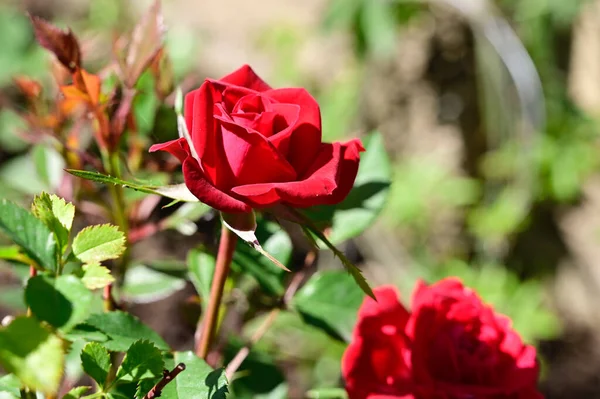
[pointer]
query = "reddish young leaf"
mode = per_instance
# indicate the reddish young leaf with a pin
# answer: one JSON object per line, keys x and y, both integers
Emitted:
{"x": 29, "y": 87}
{"x": 146, "y": 42}
{"x": 162, "y": 70}
{"x": 63, "y": 44}
{"x": 89, "y": 84}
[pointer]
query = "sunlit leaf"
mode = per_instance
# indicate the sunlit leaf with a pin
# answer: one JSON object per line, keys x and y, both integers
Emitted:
{"x": 57, "y": 215}
{"x": 143, "y": 284}
{"x": 29, "y": 233}
{"x": 96, "y": 362}
{"x": 197, "y": 381}
{"x": 99, "y": 243}
{"x": 142, "y": 360}
{"x": 96, "y": 276}
{"x": 24, "y": 346}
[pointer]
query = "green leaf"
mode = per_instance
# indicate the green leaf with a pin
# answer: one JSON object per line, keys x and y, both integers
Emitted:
{"x": 49, "y": 165}
{"x": 143, "y": 284}
{"x": 197, "y": 381}
{"x": 142, "y": 361}
{"x": 277, "y": 243}
{"x": 350, "y": 267}
{"x": 98, "y": 243}
{"x": 13, "y": 252}
{"x": 327, "y": 393}
{"x": 202, "y": 268}
{"x": 29, "y": 233}
{"x": 57, "y": 215}
{"x": 33, "y": 354}
{"x": 76, "y": 392}
{"x": 177, "y": 192}
{"x": 310, "y": 229}
{"x": 10, "y": 387}
{"x": 62, "y": 302}
{"x": 96, "y": 362}
{"x": 332, "y": 299}
{"x": 96, "y": 276}
{"x": 366, "y": 199}
{"x": 144, "y": 386}
{"x": 123, "y": 330}
{"x": 184, "y": 217}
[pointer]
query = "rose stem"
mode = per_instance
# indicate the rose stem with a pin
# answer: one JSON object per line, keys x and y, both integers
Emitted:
{"x": 209, "y": 321}
{"x": 168, "y": 376}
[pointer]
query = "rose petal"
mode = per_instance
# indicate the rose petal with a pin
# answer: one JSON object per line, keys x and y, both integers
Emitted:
{"x": 205, "y": 135}
{"x": 303, "y": 193}
{"x": 252, "y": 159}
{"x": 246, "y": 77}
{"x": 376, "y": 360}
{"x": 178, "y": 148}
{"x": 347, "y": 171}
{"x": 201, "y": 187}
{"x": 328, "y": 180}
{"x": 305, "y": 138}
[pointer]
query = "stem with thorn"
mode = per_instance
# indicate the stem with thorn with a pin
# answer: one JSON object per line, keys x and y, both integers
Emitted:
{"x": 168, "y": 376}
{"x": 208, "y": 325}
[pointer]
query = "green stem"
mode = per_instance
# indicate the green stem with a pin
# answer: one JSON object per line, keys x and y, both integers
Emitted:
{"x": 118, "y": 210}
{"x": 211, "y": 313}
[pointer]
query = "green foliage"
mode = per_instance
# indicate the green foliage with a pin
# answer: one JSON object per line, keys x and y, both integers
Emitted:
{"x": 332, "y": 300}
{"x": 276, "y": 242}
{"x": 96, "y": 362}
{"x": 143, "y": 284}
{"x": 32, "y": 353}
{"x": 142, "y": 361}
{"x": 62, "y": 302}
{"x": 29, "y": 233}
{"x": 76, "y": 392}
{"x": 10, "y": 386}
{"x": 98, "y": 243}
{"x": 122, "y": 330}
{"x": 201, "y": 269}
{"x": 57, "y": 215}
{"x": 96, "y": 276}
{"x": 198, "y": 381}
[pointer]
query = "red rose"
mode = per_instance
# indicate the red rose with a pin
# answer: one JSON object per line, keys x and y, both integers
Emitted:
{"x": 452, "y": 346}
{"x": 257, "y": 147}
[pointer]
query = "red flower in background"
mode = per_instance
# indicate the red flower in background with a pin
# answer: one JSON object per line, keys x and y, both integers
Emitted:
{"x": 452, "y": 346}
{"x": 257, "y": 147}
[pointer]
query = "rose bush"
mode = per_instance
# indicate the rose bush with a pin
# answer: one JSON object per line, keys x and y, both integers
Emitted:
{"x": 257, "y": 147}
{"x": 451, "y": 346}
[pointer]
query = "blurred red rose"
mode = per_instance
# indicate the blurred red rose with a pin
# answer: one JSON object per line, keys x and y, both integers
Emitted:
{"x": 257, "y": 147}
{"x": 452, "y": 346}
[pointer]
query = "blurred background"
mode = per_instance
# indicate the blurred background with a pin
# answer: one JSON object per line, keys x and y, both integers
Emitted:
{"x": 488, "y": 111}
